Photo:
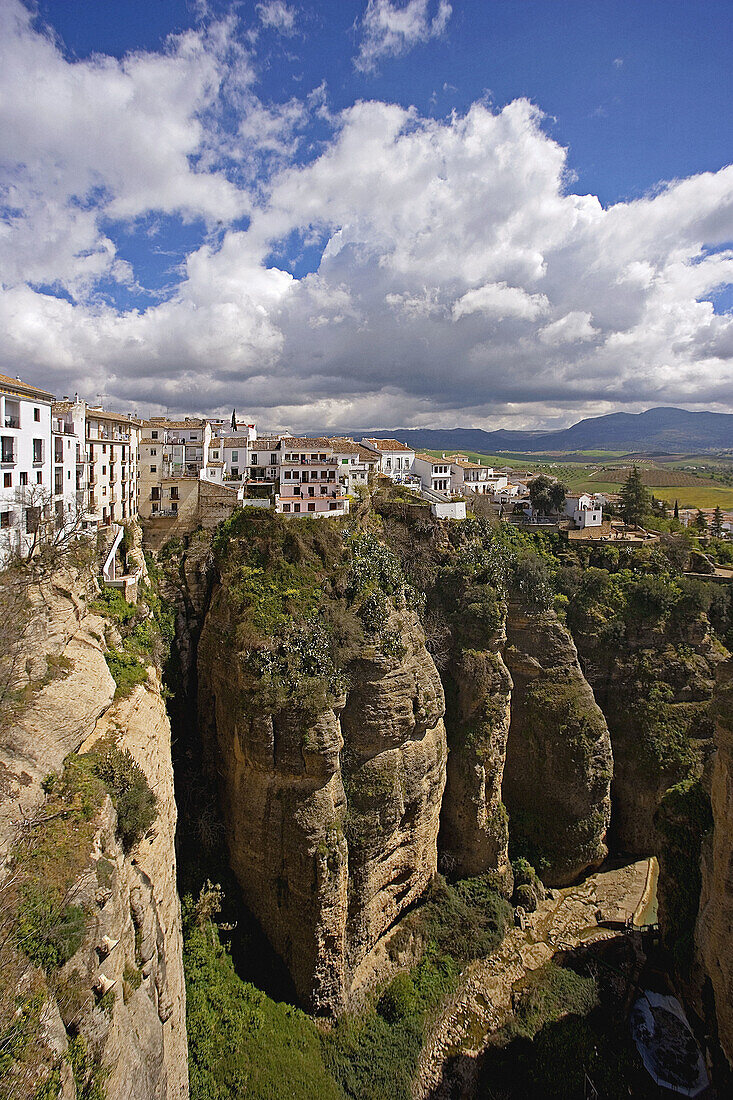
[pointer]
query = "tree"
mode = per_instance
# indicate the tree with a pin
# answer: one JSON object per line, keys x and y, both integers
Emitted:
{"x": 717, "y": 524}
{"x": 701, "y": 522}
{"x": 635, "y": 499}
{"x": 676, "y": 511}
{"x": 546, "y": 494}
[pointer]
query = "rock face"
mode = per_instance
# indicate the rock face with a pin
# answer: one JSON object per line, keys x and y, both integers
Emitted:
{"x": 139, "y": 1032}
{"x": 715, "y": 918}
{"x": 558, "y": 763}
{"x": 474, "y": 835}
{"x": 648, "y": 682}
{"x": 332, "y": 816}
{"x": 145, "y": 1043}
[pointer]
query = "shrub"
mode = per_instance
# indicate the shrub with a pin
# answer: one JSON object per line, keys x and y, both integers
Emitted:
{"x": 48, "y": 931}
{"x": 127, "y": 672}
{"x": 551, "y": 993}
{"x": 134, "y": 801}
{"x": 398, "y": 1000}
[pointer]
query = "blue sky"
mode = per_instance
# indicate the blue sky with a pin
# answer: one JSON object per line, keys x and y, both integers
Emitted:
{"x": 389, "y": 212}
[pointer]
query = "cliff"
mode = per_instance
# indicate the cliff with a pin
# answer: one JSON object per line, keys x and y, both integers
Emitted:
{"x": 93, "y": 1012}
{"x": 647, "y": 650}
{"x": 558, "y": 763}
{"x": 331, "y": 810}
{"x": 715, "y": 919}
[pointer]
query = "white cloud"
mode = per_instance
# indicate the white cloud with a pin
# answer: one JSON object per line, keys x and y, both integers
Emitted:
{"x": 497, "y": 301}
{"x": 277, "y": 15}
{"x": 459, "y": 280}
{"x": 391, "y": 29}
{"x": 573, "y": 328}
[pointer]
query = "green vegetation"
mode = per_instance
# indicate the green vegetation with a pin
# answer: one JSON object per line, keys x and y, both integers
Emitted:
{"x": 242, "y": 1043}
{"x": 635, "y": 498}
{"x": 147, "y": 630}
{"x": 134, "y": 801}
{"x": 683, "y": 819}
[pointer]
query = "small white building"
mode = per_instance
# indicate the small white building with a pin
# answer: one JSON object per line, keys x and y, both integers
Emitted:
{"x": 70, "y": 468}
{"x": 354, "y": 462}
{"x": 583, "y": 510}
{"x": 26, "y": 490}
{"x": 434, "y": 473}
{"x": 395, "y": 458}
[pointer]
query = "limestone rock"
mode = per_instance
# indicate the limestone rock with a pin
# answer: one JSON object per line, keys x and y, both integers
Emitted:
{"x": 558, "y": 765}
{"x": 715, "y": 918}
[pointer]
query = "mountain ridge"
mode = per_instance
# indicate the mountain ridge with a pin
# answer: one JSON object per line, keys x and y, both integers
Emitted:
{"x": 662, "y": 428}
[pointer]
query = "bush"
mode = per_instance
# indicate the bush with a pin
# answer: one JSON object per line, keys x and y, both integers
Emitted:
{"x": 134, "y": 801}
{"x": 127, "y": 672}
{"x": 551, "y": 993}
{"x": 398, "y": 1000}
{"x": 49, "y": 933}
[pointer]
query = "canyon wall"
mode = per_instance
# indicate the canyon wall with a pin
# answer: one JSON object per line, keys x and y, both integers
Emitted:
{"x": 132, "y": 1036}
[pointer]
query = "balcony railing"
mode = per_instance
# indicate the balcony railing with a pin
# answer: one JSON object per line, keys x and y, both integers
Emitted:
{"x": 12, "y": 421}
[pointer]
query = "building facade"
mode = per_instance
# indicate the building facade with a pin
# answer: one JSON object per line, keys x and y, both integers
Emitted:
{"x": 26, "y": 489}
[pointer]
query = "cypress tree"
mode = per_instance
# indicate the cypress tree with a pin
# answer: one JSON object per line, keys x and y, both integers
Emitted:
{"x": 717, "y": 524}
{"x": 635, "y": 498}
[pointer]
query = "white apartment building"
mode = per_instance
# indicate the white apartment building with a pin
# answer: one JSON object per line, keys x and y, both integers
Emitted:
{"x": 395, "y": 458}
{"x": 25, "y": 444}
{"x": 173, "y": 455}
{"x": 355, "y": 462}
{"x": 70, "y": 467}
{"x": 309, "y": 479}
{"x": 472, "y": 477}
{"x": 112, "y": 441}
{"x": 434, "y": 473}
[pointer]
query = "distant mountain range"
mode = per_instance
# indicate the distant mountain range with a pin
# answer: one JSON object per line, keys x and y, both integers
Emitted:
{"x": 672, "y": 430}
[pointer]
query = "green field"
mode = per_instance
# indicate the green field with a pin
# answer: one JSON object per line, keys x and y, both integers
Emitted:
{"x": 580, "y": 475}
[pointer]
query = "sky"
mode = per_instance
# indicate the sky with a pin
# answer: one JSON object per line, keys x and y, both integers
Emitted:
{"x": 372, "y": 213}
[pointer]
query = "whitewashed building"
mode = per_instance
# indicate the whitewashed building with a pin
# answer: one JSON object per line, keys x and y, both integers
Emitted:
{"x": 434, "y": 473}
{"x": 395, "y": 458}
{"x": 309, "y": 479}
{"x": 25, "y": 457}
{"x": 583, "y": 511}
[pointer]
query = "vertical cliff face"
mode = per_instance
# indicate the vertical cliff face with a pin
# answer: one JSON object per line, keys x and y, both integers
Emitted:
{"x": 111, "y": 1010}
{"x": 652, "y": 675}
{"x": 559, "y": 763}
{"x": 332, "y": 813}
{"x": 715, "y": 918}
{"x": 474, "y": 834}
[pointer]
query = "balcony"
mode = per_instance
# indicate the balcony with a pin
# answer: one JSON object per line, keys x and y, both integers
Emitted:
{"x": 12, "y": 421}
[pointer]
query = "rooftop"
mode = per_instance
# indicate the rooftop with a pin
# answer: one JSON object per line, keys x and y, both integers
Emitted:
{"x": 387, "y": 444}
{"x": 22, "y": 389}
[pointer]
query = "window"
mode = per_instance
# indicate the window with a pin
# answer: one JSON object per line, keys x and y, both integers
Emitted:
{"x": 156, "y": 507}
{"x": 332, "y": 506}
{"x": 286, "y": 507}
{"x": 174, "y": 492}
{"x": 5, "y": 519}
{"x": 37, "y": 415}
{"x": 153, "y": 452}
{"x": 153, "y": 469}
{"x": 311, "y": 491}
{"x": 273, "y": 460}
{"x": 24, "y": 478}
{"x": 104, "y": 448}
{"x": 311, "y": 507}
{"x": 174, "y": 507}
{"x": 39, "y": 478}
{"x": 193, "y": 435}
{"x": 153, "y": 435}
{"x": 38, "y": 450}
{"x": 296, "y": 507}
{"x": 12, "y": 413}
{"x": 7, "y": 481}
{"x": 8, "y": 448}
{"x": 58, "y": 481}
{"x": 235, "y": 471}
{"x": 214, "y": 456}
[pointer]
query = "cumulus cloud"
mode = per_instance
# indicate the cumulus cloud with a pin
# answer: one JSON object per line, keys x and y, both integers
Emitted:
{"x": 390, "y": 29}
{"x": 277, "y": 15}
{"x": 453, "y": 276}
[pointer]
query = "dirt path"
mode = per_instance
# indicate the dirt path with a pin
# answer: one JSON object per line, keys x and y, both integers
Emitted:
{"x": 483, "y": 1001}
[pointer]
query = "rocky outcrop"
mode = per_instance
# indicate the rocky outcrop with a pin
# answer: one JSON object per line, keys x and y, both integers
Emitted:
{"x": 474, "y": 836}
{"x": 332, "y": 815}
{"x": 715, "y": 918}
{"x": 143, "y": 1039}
{"x": 558, "y": 763}
{"x": 122, "y": 997}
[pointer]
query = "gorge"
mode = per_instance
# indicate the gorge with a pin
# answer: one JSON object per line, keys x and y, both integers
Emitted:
{"x": 385, "y": 731}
